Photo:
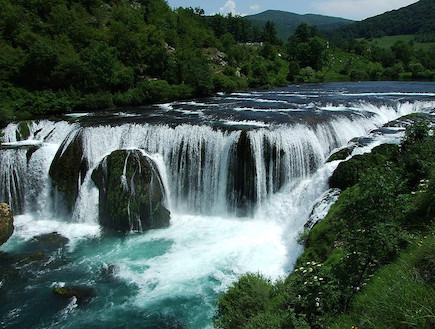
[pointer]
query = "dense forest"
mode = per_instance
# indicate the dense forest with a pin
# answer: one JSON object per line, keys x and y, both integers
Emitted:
{"x": 370, "y": 263}
{"x": 58, "y": 56}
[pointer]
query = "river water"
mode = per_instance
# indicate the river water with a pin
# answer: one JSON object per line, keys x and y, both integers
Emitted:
{"x": 171, "y": 277}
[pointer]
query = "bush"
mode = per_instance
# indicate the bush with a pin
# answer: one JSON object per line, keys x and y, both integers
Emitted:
{"x": 250, "y": 296}
{"x": 6, "y": 115}
{"x": 224, "y": 83}
{"x": 99, "y": 101}
{"x": 48, "y": 102}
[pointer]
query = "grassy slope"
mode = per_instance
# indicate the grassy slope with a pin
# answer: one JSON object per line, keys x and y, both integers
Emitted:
{"x": 388, "y": 41}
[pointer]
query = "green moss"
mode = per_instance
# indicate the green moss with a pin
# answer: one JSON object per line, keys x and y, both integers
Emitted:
{"x": 131, "y": 201}
{"x": 340, "y": 155}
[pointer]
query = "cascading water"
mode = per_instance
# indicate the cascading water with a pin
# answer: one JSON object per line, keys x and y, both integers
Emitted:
{"x": 241, "y": 174}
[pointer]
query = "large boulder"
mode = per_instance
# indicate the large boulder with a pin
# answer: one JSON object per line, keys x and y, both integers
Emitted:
{"x": 6, "y": 223}
{"x": 131, "y": 192}
{"x": 68, "y": 169}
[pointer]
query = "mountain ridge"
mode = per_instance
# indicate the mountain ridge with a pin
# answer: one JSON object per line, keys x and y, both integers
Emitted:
{"x": 286, "y": 22}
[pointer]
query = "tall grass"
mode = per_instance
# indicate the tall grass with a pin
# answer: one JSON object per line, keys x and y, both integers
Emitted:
{"x": 400, "y": 295}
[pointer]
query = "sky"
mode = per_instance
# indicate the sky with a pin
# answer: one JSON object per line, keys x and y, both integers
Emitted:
{"x": 351, "y": 9}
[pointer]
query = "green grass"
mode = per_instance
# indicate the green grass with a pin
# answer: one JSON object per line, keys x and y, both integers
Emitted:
{"x": 387, "y": 42}
{"x": 400, "y": 295}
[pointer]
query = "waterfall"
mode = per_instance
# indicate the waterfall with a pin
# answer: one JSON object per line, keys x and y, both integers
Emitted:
{"x": 206, "y": 170}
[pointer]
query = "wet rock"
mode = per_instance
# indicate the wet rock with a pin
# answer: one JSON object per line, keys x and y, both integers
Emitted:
{"x": 51, "y": 239}
{"x": 28, "y": 258}
{"x": 131, "y": 192}
{"x": 6, "y": 223}
{"x": 69, "y": 168}
{"x": 341, "y": 154}
{"x": 83, "y": 293}
{"x": 108, "y": 272}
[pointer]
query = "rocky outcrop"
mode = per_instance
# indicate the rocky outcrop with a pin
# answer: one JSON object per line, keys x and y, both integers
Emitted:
{"x": 6, "y": 223}
{"x": 349, "y": 172}
{"x": 131, "y": 192}
{"x": 69, "y": 169}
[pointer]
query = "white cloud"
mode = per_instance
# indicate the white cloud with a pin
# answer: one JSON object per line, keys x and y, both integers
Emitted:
{"x": 255, "y": 7}
{"x": 357, "y": 9}
{"x": 229, "y": 7}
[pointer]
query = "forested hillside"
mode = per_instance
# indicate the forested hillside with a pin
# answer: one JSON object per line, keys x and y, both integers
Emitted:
{"x": 62, "y": 55}
{"x": 286, "y": 23}
{"x": 417, "y": 18}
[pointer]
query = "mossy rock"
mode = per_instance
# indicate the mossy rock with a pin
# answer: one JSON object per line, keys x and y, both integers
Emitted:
{"x": 131, "y": 192}
{"x": 6, "y": 223}
{"x": 341, "y": 154}
{"x": 349, "y": 172}
{"x": 68, "y": 166}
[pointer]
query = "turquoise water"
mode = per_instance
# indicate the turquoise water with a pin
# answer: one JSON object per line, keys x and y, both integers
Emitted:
{"x": 167, "y": 278}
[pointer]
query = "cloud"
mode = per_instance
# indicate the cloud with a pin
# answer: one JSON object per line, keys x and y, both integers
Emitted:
{"x": 255, "y": 7}
{"x": 229, "y": 7}
{"x": 357, "y": 9}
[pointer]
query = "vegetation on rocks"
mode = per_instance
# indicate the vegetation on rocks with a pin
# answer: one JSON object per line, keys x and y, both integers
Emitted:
{"x": 369, "y": 263}
{"x": 131, "y": 192}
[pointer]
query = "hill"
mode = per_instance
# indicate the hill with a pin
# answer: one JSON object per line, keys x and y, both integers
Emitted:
{"x": 287, "y": 22}
{"x": 417, "y": 19}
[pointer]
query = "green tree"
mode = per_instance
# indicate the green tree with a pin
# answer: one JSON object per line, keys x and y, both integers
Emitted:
{"x": 103, "y": 65}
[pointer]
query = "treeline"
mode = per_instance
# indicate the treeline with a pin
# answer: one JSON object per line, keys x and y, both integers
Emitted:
{"x": 369, "y": 263}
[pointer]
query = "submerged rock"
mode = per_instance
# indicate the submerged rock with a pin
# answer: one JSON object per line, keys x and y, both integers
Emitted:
{"x": 6, "y": 223}
{"x": 83, "y": 293}
{"x": 131, "y": 192}
{"x": 49, "y": 242}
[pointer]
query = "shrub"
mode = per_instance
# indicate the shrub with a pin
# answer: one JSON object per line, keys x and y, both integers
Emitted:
{"x": 250, "y": 296}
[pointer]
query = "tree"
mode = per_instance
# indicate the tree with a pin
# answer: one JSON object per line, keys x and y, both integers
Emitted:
{"x": 103, "y": 66}
{"x": 270, "y": 34}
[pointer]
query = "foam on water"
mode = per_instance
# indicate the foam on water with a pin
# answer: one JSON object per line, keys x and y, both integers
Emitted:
{"x": 28, "y": 226}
